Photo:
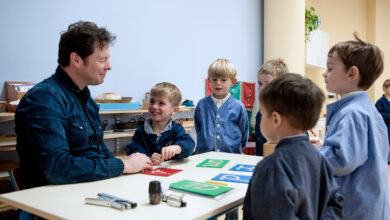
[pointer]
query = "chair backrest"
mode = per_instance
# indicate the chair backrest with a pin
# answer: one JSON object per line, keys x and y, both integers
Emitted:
{"x": 14, "y": 175}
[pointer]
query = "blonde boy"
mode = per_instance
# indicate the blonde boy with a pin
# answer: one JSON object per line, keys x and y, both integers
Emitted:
{"x": 221, "y": 122}
{"x": 268, "y": 72}
{"x": 296, "y": 181}
{"x": 356, "y": 141}
{"x": 161, "y": 138}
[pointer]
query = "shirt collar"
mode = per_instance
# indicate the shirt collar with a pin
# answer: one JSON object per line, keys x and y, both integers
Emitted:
{"x": 220, "y": 102}
{"x": 67, "y": 81}
{"x": 149, "y": 130}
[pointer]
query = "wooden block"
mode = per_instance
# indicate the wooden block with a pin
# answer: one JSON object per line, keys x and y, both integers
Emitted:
{"x": 268, "y": 148}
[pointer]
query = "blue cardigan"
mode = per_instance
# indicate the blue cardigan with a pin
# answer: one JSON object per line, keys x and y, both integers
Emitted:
{"x": 222, "y": 129}
{"x": 148, "y": 144}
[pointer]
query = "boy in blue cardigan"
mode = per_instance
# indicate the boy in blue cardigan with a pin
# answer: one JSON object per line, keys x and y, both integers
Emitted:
{"x": 383, "y": 106}
{"x": 160, "y": 138}
{"x": 221, "y": 122}
{"x": 295, "y": 181}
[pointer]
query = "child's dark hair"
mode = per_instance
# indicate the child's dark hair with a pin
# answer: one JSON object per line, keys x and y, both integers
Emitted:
{"x": 367, "y": 57}
{"x": 294, "y": 97}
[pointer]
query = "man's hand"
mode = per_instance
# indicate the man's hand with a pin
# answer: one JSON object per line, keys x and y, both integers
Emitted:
{"x": 156, "y": 159}
{"x": 170, "y": 151}
{"x": 136, "y": 162}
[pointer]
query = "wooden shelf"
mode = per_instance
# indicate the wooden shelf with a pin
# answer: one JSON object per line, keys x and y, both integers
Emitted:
{"x": 7, "y": 116}
{"x": 7, "y": 143}
{"x": 118, "y": 134}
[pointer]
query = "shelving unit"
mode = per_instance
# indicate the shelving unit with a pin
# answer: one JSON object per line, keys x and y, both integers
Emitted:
{"x": 9, "y": 142}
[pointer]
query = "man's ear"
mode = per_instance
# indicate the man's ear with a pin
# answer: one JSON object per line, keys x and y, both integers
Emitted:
{"x": 353, "y": 73}
{"x": 75, "y": 59}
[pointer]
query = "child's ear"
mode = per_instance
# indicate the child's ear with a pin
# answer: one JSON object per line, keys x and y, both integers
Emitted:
{"x": 353, "y": 73}
{"x": 276, "y": 119}
{"x": 234, "y": 81}
{"x": 176, "y": 110}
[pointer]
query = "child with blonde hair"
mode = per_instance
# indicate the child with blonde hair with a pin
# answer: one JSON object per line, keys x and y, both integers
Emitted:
{"x": 269, "y": 71}
{"x": 221, "y": 122}
{"x": 161, "y": 138}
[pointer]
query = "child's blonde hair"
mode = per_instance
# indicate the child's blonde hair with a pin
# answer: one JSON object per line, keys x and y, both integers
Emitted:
{"x": 386, "y": 83}
{"x": 274, "y": 67}
{"x": 165, "y": 89}
{"x": 222, "y": 68}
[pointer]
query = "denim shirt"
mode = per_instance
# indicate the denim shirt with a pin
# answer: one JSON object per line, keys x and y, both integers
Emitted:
{"x": 59, "y": 135}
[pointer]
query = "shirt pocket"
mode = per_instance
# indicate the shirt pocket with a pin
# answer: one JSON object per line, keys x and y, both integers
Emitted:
{"x": 78, "y": 134}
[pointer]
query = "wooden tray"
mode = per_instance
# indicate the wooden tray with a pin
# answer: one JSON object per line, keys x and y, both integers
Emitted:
{"x": 123, "y": 100}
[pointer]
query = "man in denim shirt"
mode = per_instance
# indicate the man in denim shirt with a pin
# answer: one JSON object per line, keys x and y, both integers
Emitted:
{"x": 59, "y": 134}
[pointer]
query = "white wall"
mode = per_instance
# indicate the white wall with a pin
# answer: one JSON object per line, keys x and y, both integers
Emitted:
{"x": 170, "y": 40}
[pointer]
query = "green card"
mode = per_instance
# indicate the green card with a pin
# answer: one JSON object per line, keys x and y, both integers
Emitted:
{"x": 200, "y": 188}
{"x": 213, "y": 163}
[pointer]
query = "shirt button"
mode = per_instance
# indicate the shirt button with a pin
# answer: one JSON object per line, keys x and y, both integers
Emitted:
{"x": 217, "y": 116}
{"x": 81, "y": 127}
{"x": 218, "y": 136}
{"x": 218, "y": 125}
{"x": 217, "y": 150}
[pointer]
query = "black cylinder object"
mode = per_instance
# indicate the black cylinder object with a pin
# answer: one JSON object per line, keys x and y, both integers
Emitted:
{"x": 154, "y": 192}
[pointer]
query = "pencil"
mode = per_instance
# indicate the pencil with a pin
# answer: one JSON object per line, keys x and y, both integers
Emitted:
{"x": 218, "y": 183}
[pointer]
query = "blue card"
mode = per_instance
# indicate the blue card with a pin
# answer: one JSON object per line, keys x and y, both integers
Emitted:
{"x": 232, "y": 178}
{"x": 243, "y": 167}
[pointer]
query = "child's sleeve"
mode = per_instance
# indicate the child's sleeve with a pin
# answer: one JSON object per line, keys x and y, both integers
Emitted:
{"x": 381, "y": 109}
{"x": 244, "y": 126}
{"x": 185, "y": 141}
{"x": 136, "y": 144}
{"x": 346, "y": 143}
{"x": 272, "y": 195}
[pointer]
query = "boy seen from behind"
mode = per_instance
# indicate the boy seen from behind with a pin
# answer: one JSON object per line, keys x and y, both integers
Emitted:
{"x": 383, "y": 106}
{"x": 295, "y": 181}
{"x": 160, "y": 137}
{"x": 269, "y": 71}
{"x": 221, "y": 122}
{"x": 356, "y": 141}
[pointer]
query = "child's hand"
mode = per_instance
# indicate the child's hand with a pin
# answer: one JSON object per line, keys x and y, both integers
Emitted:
{"x": 156, "y": 159}
{"x": 170, "y": 151}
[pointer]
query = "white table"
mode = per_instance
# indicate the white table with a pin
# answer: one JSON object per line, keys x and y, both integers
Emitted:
{"x": 67, "y": 201}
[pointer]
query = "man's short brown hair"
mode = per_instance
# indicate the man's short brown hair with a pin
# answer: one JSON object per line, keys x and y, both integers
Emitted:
{"x": 81, "y": 38}
{"x": 165, "y": 89}
{"x": 295, "y": 97}
{"x": 367, "y": 57}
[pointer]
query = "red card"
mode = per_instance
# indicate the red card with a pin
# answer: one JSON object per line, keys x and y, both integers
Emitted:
{"x": 161, "y": 172}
